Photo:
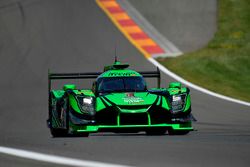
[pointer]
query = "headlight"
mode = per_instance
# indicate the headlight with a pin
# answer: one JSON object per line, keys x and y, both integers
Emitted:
{"x": 86, "y": 104}
{"x": 88, "y": 100}
{"x": 176, "y": 98}
{"x": 177, "y": 103}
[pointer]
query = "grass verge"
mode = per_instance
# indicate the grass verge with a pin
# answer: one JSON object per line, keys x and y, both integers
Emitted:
{"x": 223, "y": 66}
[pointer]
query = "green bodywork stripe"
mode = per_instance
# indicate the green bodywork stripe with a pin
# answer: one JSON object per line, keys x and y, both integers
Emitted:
{"x": 118, "y": 119}
{"x": 165, "y": 103}
{"x": 143, "y": 110}
{"x": 188, "y": 103}
{"x": 95, "y": 128}
{"x": 101, "y": 103}
{"x": 149, "y": 119}
{"x": 158, "y": 100}
{"x": 74, "y": 103}
{"x": 58, "y": 93}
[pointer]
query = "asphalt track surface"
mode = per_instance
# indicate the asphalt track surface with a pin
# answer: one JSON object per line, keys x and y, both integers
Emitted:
{"x": 76, "y": 36}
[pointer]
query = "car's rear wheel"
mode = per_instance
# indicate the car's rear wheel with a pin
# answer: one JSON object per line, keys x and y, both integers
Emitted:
{"x": 156, "y": 131}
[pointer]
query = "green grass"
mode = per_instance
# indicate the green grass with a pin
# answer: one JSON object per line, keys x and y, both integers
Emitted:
{"x": 223, "y": 65}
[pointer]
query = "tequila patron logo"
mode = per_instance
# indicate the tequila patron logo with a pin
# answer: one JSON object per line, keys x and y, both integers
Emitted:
{"x": 131, "y": 99}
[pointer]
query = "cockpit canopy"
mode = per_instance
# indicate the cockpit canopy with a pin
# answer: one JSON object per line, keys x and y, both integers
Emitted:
{"x": 121, "y": 84}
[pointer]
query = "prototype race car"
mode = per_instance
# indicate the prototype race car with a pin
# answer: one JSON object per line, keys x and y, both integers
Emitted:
{"x": 118, "y": 102}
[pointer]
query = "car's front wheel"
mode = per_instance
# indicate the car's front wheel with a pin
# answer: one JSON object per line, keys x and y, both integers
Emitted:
{"x": 58, "y": 132}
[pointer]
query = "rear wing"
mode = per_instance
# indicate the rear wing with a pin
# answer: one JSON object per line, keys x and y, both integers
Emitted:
{"x": 93, "y": 75}
{"x": 152, "y": 74}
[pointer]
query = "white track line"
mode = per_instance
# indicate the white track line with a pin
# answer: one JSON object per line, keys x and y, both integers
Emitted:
{"x": 54, "y": 159}
{"x": 178, "y": 78}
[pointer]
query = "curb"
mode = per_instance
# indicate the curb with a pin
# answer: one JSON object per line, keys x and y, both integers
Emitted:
{"x": 129, "y": 28}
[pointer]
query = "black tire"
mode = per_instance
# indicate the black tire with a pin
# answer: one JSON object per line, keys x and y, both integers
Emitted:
{"x": 156, "y": 131}
{"x": 66, "y": 131}
{"x": 178, "y": 132}
{"x": 56, "y": 132}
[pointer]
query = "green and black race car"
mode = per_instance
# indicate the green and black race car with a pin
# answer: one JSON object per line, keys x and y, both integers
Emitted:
{"x": 118, "y": 102}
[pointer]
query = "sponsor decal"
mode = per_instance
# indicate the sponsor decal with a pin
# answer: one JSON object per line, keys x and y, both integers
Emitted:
{"x": 130, "y": 94}
{"x": 121, "y": 74}
{"x": 131, "y": 99}
{"x": 175, "y": 90}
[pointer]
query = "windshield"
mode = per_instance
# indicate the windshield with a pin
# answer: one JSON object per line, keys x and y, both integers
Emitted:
{"x": 121, "y": 84}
